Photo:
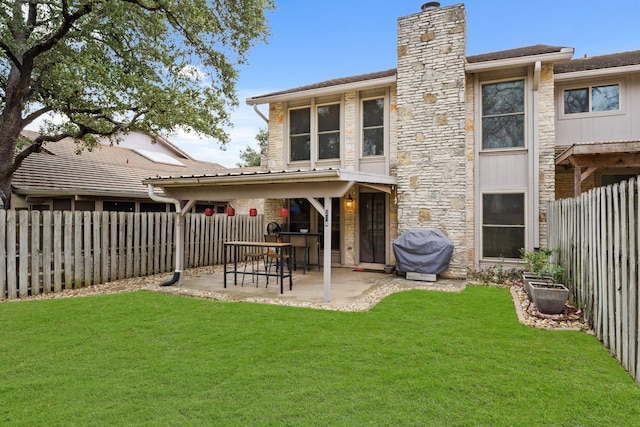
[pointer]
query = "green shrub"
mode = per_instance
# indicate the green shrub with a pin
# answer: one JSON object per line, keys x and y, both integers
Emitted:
{"x": 538, "y": 262}
{"x": 495, "y": 274}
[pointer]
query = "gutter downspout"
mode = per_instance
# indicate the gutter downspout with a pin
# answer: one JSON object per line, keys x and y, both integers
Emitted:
{"x": 177, "y": 275}
{"x": 255, "y": 108}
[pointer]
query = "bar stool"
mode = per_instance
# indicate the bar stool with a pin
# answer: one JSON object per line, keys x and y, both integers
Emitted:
{"x": 273, "y": 256}
{"x": 255, "y": 257}
{"x": 299, "y": 242}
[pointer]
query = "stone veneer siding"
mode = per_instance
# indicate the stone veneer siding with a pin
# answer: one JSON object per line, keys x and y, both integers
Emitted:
{"x": 432, "y": 156}
{"x": 546, "y": 144}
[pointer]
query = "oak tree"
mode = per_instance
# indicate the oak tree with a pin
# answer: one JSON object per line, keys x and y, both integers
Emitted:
{"x": 92, "y": 68}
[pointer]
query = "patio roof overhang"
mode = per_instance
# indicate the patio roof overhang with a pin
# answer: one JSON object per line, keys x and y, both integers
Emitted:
{"x": 309, "y": 184}
{"x": 266, "y": 185}
{"x": 586, "y": 158}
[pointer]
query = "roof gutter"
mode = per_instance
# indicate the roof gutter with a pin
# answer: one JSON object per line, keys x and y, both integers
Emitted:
{"x": 564, "y": 54}
{"x": 177, "y": 275}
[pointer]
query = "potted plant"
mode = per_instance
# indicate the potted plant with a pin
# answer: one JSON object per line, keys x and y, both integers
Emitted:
{"x": 542, "y": 281}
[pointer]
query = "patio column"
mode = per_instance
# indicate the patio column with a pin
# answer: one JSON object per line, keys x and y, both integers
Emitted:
{"x": 327, "y": 249}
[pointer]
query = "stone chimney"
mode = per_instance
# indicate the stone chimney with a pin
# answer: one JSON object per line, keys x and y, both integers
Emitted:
{"x": 431, "y": 160}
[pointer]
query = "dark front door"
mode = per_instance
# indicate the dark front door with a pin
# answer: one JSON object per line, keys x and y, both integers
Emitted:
{"x": 372, "y": 227}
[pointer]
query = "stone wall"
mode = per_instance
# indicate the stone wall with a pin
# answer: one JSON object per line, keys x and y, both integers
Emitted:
{"x": 432, "y": 157}
{"x": 546, "y": 141}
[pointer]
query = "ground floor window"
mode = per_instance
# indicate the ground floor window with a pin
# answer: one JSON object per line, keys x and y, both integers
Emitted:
{"x": 503, "y": 225}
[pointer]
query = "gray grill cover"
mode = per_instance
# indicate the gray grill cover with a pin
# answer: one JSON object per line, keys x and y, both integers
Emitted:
{"x": 423, "y": 251}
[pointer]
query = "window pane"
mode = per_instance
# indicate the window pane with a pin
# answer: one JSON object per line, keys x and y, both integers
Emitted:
{"x": 300, "y": 214}
{"x": 503, "y": 131}
{"x": 576, "y": 101}
{"x": 329, "y": 118}
{"x": 373, "y": 113}
{"x": 605, "y": 98}
{"x": 502, "y": 242}
{"x": 299, "y": 121}
{"x": 503, "y": 209}
{"x": 299, "y": 134}
{"x": 329, "y": 145}
{"x": 502, "y": 225}
{"x": 373, "y": 142}
{"x": 503, "y": 98}
{"x": 300, "y": 148}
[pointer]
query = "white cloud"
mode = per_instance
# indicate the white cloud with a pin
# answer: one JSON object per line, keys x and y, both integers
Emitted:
{"x": 246, "y": 125}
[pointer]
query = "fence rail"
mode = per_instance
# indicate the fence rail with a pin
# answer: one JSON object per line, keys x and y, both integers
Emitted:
{"x": 47, "y": 251}
{"x": 598, "y": 241}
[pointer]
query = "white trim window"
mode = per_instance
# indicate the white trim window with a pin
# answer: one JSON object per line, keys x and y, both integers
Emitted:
{"x": 503, "y": 225}
{"x": 592, "y": 99}
{"x": 320, "y": 134}
{"x": 328, "y": 131}
{"x": 503, "y": 115}
{"x": 300, "y": 134}
{"x": 373, "y": 127}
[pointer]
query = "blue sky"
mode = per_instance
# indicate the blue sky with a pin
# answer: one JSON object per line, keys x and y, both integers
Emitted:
{"x": 312, "y": 41}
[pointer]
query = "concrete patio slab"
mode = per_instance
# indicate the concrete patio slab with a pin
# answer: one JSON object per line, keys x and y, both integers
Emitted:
{"x": 351, "y": 290}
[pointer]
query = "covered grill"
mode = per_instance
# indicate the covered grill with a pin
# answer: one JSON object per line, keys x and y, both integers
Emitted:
{"x": 423, "y": 251}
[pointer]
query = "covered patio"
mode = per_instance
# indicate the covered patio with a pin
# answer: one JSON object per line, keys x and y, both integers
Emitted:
{"x": 317, "y": 186}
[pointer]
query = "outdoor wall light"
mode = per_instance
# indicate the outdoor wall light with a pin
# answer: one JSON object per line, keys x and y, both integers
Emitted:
{"x": 349, "y": 202}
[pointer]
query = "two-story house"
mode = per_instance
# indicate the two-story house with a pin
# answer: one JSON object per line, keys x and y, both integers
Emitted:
{"x": 466, "y": 139}
{"x": 474, "y": 146}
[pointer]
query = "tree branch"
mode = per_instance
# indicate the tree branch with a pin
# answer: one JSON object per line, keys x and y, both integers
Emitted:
{"x": 31, "y": 117}
{"x": 34, "y": 147}
{"x": 69, "y": 19}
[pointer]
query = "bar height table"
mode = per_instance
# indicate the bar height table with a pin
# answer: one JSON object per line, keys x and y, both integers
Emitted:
{"x": 234, "y": 248}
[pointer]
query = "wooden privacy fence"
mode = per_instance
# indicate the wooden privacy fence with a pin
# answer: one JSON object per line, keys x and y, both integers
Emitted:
{"x": 598, "y": 239}
{"x": 46, "y": 251}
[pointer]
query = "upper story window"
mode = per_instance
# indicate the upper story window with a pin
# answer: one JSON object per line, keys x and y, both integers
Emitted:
{"x": 592, "y": 99}
{"x": 373, "y": 127}
{"x": 329, "y": 131}
{"x": 503, "y": 115}
{"x": 300, "y": 134}
{"x": 319, "y": 134}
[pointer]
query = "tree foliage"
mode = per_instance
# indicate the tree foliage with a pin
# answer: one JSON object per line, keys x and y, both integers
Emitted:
{"x": 102, "y": 67}
{"x": 249, "y": 156}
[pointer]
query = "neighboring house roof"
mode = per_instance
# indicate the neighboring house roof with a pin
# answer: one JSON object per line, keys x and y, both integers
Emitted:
{"x": 622, "y": 59}
{"x": 107, "y": 171}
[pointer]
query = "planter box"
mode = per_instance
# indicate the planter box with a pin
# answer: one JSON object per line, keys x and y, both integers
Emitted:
{"x": 528, "y": 277}
{"x": 550, "y": 298}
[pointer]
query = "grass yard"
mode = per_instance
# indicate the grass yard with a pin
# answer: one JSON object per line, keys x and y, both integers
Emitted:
{"x": 418, "y": 358}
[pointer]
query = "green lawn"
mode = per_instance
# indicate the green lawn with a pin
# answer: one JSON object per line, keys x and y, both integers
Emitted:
{"x": 418, "y": 358}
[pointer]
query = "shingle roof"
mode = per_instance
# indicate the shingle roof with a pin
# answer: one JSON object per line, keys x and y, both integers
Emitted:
{"x": 105, "y": 171}
{"x": 599, "y": 62}
{"x": 492, "y": 56}
{"x": 334, "y": 82}
{"x": 538, "y": 49}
